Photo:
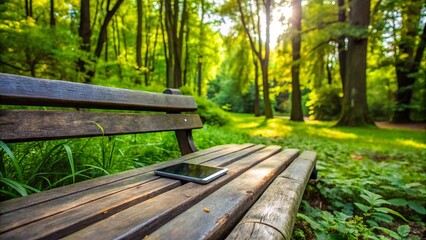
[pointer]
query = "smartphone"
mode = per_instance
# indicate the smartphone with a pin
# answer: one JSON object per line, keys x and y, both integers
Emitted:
{"x": 192, "y": 172}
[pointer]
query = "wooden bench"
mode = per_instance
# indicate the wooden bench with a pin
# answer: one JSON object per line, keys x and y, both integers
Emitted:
{"x": 258, "y": 198}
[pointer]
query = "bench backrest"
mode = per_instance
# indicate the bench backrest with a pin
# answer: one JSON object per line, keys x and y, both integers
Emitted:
{"x": 32, "y": 125}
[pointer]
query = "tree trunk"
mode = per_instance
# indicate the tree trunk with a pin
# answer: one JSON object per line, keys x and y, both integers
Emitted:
{"x": 147, "y": 44}
{"x": 407, "y": 67}
{"x": 263, "y": 57}
{"x": 296, "y": 96}
{"x": 102, "y": 38}
{"x": 139, "y": 38}
{"x": 256, "y": 88}
{"x": 169, "y": 52}
{"x": 341, "y": 44}
{"x": 123, "y": 34}
{"x": 52, "y": 13}
{"x": 265, "y": 62}
{"x": 29, "y": 8}
{"x": 185, "y": 71}
{"x": 84, "y": 33}
{"x": 200, "y": 74}
{"x": 354, "y": 107}
{"x": 154, "y": 50}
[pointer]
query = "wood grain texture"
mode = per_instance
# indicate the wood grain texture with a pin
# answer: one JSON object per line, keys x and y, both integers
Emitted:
{"x": 274, "y": 214}
{"x": 45, "y": 196}
{"x": 21, "y": 90}
{"x": 80, "y": 208}
{"x": 130, "y": 224}
{"x": 18, "y": 125}
{"x": 226, "y": 205}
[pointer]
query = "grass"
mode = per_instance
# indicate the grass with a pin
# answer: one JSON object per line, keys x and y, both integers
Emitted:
{"x": 370, "y": 181}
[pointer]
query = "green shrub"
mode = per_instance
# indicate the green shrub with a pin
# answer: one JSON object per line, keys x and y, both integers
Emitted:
{"x": 210, "y": 113}
{"x": 325, "y": 103}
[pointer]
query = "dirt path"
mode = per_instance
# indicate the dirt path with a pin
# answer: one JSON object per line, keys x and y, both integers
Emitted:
{"x": 409, "y": 126}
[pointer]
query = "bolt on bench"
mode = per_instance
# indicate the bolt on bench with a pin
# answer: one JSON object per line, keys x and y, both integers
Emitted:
{"x": 258, "y": 198}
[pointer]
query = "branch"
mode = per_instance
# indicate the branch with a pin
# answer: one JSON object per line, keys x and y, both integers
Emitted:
{"x": 13, "y": 66}
{"x": 247, "y": 30}
{"x": 420, "y": 50}
{"x": 322, "y": 44}
{"x": 323, "y": 25}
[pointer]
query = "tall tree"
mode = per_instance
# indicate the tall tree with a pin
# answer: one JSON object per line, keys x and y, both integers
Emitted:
{"x": 84, "y": 32}
{"x": 29, "y": 8}
{"x": 102, "y": 38}
{"x": 175, "y": 18}
{"x": 201, "y": 45}
{"x": 341, "y": 43}
{"x": 354, "y": 107}
{"x": 256, "y": 87}
{"x": 262, "y": 55}
{"x": 408, "y": 56}
{"x": 52, "y": 13}
{"x": 296, "y": 96}
{"x": 139, "y": 38}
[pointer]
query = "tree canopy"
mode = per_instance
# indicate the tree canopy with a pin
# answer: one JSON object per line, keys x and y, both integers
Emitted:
{"x": 290, "y": 57}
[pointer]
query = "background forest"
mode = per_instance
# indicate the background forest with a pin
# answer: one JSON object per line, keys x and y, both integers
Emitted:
{"x": 291, "y": 55}
{"x": 335, "y": 60}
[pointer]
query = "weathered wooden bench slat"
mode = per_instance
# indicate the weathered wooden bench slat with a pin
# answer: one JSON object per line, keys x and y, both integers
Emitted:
{"x": 274, "y": 214}
{"x": 21, "y": 90}
{"x": 79, "y": 209}
{"x": 215, "y": 215}
{"x": 88, "y": 185}
{"x": 160, "y": 209}
{"x": 47, "y": 125}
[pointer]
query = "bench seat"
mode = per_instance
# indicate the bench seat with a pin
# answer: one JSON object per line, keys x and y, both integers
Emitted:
{"x": 257, "y": 199}
{"x": 139, "y": 204}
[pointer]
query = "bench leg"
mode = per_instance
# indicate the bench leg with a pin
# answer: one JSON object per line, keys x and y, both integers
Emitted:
{"x": 314, "y": 174}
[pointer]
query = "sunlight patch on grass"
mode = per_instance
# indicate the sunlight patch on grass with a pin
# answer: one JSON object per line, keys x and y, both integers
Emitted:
{"x": 273, "y": 128}
{"x": 247, "y": 125}
{"x": 331, "y": 133}
{"x": 411, "y": 143}
{"x": 271, "y": 133}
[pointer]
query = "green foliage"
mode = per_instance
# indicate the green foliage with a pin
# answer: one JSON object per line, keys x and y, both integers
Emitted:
{"x": 225, "y": 92}
{"x": 210, "y": 113}
{"x": 339, "y": 225}
{"x": 324, "y": 103}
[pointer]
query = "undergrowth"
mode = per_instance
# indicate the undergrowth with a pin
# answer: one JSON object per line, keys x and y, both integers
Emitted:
{"x": 370, "y": 185}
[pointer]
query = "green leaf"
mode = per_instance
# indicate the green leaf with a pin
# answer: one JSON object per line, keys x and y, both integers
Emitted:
{"x": 389, "y": 232}
{"x": 15, "y": 185}
{"x": 404, "y": 230}
{"x": 14, "y": 160}
{"x": 398, "y": 202}
{"x": 309, "y": 220}
{"x": 370, "y": 197}
{"x": 372, "y": 223}
{"x": 382, "y": 217}
{"x": 416, "y": 207}
{"x": 99, "y": 126}
{"x": 391, "y": 211}
{"x": 414, "y": 184}
{"x": 380, "y": 202}
{"x": 362, "y": 207}
{"x": 70, "y": 161}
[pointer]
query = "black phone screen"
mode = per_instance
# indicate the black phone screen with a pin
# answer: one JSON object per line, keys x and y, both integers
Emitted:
{"x": 191, "y": 170}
